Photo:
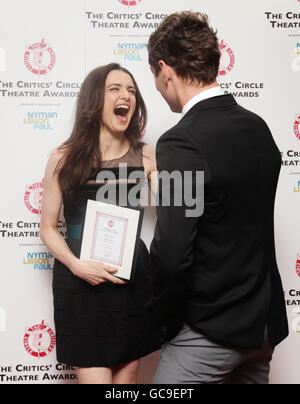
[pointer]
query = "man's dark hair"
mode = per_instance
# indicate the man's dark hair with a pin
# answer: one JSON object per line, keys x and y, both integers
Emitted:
{"x": 187, "y": 43}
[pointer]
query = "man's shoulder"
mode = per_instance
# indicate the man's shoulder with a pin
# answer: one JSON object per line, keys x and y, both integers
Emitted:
{"x": 251, "y": 116}
{"x": 180, "y": 131}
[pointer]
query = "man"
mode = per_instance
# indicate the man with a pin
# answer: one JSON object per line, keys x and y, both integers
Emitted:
{"x": 217, "y": 291}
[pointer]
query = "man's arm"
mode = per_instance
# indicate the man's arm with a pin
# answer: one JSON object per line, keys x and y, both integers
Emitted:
{"x": 172, "y": 250}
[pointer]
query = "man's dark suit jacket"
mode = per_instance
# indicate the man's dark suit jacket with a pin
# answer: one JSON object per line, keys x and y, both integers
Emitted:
{"x": 218, "y": 272}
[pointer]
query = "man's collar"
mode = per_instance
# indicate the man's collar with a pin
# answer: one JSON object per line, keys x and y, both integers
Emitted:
{"x": 212, "y": 92}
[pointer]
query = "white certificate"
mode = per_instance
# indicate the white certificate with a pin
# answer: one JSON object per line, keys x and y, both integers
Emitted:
{"x": 110, "y": 236}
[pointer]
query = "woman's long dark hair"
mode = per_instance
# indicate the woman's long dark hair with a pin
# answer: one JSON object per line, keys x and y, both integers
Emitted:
{"x": 81, "y": 152}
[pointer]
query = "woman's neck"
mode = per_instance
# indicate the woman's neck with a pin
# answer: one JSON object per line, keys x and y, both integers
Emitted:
{"x": 112, "y": 146}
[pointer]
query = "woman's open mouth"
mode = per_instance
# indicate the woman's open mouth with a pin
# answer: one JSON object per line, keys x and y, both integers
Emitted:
{"x": 121, "y": 112}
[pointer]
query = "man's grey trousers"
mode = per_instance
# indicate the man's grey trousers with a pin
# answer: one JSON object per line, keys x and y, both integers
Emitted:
{"x": 190, "y": 358}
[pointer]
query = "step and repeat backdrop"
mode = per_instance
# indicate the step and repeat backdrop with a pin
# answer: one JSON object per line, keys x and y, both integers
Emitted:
{"x": 46, "y": 50}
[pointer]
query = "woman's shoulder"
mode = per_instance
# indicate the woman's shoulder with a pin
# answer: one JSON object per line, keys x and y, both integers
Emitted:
{"x": 57, "y": 154}
{"x": 149, "y": 158}
{"x": 149, "y": 151}
{"x": 56, "y": 158}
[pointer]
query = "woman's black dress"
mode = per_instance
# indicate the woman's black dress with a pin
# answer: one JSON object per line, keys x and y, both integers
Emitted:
{"x": 105, "y": 325}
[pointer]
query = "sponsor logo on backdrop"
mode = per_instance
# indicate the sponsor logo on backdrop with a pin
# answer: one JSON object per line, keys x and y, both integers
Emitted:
{"x": 297, "y": 126}
{"x": 33, "y": 197}
{"x": 19, "y": 89}
{"x": 293, "y": 300}
{"x": 297, "y": 189}
{"x": 287, "y": 20}
{"x": 2, "y": 320}
{"x": 296, "y": 50}
{"x": 131, "y": 52}
{"x": 112, "y": 20}
{"x": 238, "y": 89}
{"x": 40, "y": 120}
{"x": 33, "y": 373}
{"x": 39, "y": 58}
{"x": 227, "y": 59}
{"x": 39, "y": 340}
{"x": 241, "y": 89}
{"x": 39, "y": 261}
{"x": 298, "y": 262}
{"x": 21, "y": 229}
{"x": 130, "y": 2}
{"x": 291, "y": 158}
{"x": 2, "y": 60}
{"x": 296, "y": 59}
{"x": 296, "y": 321}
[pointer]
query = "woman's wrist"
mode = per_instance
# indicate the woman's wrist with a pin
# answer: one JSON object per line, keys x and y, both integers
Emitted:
{"x": 73, "y": 265}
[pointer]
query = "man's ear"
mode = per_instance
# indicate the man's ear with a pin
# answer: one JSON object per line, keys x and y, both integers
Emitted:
{"x": 165, "y": 71}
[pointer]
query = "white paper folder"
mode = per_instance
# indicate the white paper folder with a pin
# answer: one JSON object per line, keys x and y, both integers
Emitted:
{"x": 111, "y": 234}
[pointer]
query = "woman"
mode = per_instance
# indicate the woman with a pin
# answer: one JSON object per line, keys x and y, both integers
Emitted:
{"x": 101, "y": 326}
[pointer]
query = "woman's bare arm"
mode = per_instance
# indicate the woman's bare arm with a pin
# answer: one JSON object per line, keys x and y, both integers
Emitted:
{"x": 92, "y": 272}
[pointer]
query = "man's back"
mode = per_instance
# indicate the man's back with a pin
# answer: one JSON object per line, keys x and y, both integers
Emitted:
{"x": 216, "y": 273}
{"x": 233, "y": 279}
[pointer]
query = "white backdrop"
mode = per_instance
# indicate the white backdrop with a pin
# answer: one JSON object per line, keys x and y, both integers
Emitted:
{"x": 45, "y": 53}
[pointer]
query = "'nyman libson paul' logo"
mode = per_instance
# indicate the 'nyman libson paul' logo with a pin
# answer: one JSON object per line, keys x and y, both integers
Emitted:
{"x": 297, "y": 189}
{"x": 39, "y": 58}
{"x": 296, "y": 58}
{"x": 39, "y": 340}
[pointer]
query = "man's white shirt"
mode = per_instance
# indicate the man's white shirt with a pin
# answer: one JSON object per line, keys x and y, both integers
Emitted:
{"x": 212, "y": 92}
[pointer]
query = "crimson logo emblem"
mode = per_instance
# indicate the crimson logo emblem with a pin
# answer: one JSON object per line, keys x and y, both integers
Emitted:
{"x": 130, "y": 2}
{"x": 39, "y": 58}
{"x": 39, "y": 340}
{"x": 227, "y": 59}
{"x": 297, "y": 127}
{"x": 33, "y": 197}
{"x": 298, "y": 265}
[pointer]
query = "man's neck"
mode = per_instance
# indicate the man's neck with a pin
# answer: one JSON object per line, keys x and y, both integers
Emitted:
{"x": 187, "y": 91}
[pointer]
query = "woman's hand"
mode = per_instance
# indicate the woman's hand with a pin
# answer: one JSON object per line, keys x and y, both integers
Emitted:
{"x": 95, "y": 273}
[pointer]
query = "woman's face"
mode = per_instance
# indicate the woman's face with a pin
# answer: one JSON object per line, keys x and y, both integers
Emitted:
{"x": 119, "y": 102}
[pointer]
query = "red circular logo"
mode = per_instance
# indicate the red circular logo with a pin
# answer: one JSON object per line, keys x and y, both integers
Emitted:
{"x": 39, "y": 58}
{"x": 33, "y": 197}
{"x": 298, "y": 265}
{"x": 227, "y": 61}
{"x": 297, "y": 126}
{"x": 39, "y": 340}
{"x": 130, "y": 2}
{"x": 111, "y": 224}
